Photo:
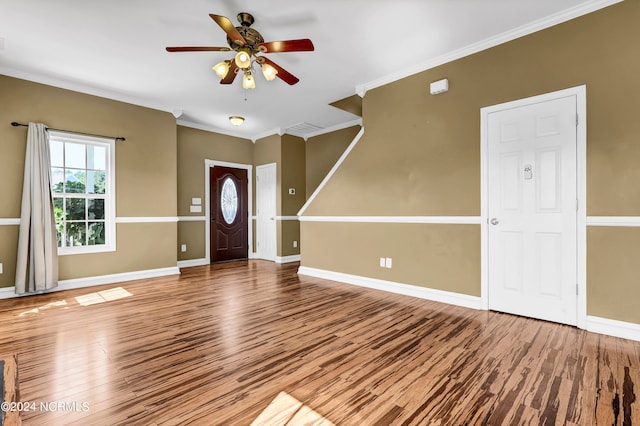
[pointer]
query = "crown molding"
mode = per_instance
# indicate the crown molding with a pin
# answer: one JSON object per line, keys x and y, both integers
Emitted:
{"x": 209, "y": 128}
{"x": 266, "y": 134}
{"x": 62, "y": 83}
{"x": 335, "y": 128}
{"x": 530, "y": 28}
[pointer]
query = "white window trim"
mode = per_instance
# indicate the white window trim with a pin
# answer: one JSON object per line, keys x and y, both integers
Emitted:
{"x": 110, "y": 188}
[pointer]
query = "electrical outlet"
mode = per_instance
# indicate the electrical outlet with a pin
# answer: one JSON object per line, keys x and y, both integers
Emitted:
{"x": 387, "y": 263}
{"x": 382, "y": 262}
{"x": 183, "y": 248}
{"x": 295, "y": 244}
{"x": 0, "y": 268}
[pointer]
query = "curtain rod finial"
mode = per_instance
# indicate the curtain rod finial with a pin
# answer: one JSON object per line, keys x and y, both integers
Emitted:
{"x": 15, "y": 124}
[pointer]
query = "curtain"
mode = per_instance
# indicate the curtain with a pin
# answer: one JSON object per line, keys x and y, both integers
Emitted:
{"x": 37, "y": 263}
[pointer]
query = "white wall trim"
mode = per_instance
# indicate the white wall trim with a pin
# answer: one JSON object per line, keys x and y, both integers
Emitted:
{"x": 532, "y": 27}
{"x": 288, "y": 259}
{"x": 357, "y": 122}
{"x": 208, "y": 164}
{"x": 457, "y": 299}
{"x": 192, "y": 262}
{"x": 9, "y": 292}
{"x": 335, "y": 167}
{"x": 10, "y": 221}
{"x": 631, "y": 221}
{"x": 266, "y": 134}
{"x": 192, "y": 218}
{"x": 625, "y": 330}
{"x": 447, "y": 220}
{"x": 158, "y": 219}
{"x": 580, "y": 92}
{"x": 286, "y": 217}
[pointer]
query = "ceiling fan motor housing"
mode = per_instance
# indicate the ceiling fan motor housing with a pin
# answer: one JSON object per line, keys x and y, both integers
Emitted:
{"x": 251, "y": 36}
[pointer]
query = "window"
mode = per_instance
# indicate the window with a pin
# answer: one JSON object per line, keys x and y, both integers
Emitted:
{"x": 83, "y": 189}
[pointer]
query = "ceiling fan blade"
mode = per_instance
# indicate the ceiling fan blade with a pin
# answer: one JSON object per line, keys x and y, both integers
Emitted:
{"x": 231, "y": 74}
{"x": 197, "y": 49}
{"x": 283, "y": 74}
{"x": 300, "y": 45}
{"x": 228, "y": 28}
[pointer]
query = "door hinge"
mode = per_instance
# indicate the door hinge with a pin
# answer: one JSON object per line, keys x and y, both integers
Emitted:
{"x": 577, "y": 205}
{"x": 576, "y": 289}
{"x": 577, "y": 119}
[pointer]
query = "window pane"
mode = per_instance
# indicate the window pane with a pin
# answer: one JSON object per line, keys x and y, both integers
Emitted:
{"x": 96, "y": 182}
{"x": 74, "y": 155}
{"x": 76, "y": 181}
{"x": 76, "y": 234}
{"x": 96, "y": 233}
{"x": 57, "y": 180}
{"x": 58, "y": 213}
{"x": 96, "y": 157}
{"x": 57, "y": 156}
{"x": 229, "y": 200}
{"x": 96, "y": 209}
{"x": 75, "y": 209}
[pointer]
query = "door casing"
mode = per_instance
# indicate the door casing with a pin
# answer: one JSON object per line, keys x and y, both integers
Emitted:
{"x": 580, "y": 92}
{"x": 208, "y": 164}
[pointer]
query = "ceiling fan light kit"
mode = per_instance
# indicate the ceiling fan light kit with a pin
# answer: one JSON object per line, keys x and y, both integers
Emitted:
{"x": 248, "y": 43}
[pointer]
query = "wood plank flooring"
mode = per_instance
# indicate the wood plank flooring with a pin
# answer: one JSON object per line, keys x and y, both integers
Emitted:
{"x": 252, "y": 343}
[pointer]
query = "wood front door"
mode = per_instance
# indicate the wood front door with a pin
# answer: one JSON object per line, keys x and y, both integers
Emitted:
{"x": 229, "y": 214}
{"x": 532, "y": 210}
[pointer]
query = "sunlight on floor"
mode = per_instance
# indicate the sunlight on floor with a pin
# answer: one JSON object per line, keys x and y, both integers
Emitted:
{"x": 103, "y": 296}
{"x": 286, "y": 410}
{"x": 43, "y": 307}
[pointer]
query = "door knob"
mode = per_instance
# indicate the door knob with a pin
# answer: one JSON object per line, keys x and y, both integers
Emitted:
{"x": 494, "y": 221}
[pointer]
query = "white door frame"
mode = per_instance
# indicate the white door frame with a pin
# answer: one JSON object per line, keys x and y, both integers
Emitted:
{"x": 208, "y": 164}
{"x": 260, "y": 253}
{"x": 580, "y": 92}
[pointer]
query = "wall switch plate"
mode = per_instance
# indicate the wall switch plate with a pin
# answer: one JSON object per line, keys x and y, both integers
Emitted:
{"x": 195, "y": 209}
{"x": 196, "y": 201}
{"x": 387, "y": 262}
{"x": 382, "y": 262}
{"x": 295, "y": 244}
{"x": 292, "y": 191}
{"x": 0, "y": 268}
{"x": 183, "y": 248}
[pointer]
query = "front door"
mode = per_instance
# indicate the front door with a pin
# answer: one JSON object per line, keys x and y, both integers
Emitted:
{"x": 228, "y": 214}
{"x": 532, "y": 198}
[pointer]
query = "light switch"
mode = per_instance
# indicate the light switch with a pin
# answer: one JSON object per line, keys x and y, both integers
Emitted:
{"x": 195, "y": 209}
{"x": 196, "y": 201}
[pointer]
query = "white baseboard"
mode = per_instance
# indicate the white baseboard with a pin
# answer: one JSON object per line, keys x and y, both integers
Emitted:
{"x": 457, "y": 299}
{"x": 10, "y": 292}
{"x": 288, "y": 259}
{"x": 192, "y": 262}
{"x": 626, "y": 330}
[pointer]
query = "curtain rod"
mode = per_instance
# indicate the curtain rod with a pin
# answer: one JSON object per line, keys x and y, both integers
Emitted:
{"x": 119, "y": 138}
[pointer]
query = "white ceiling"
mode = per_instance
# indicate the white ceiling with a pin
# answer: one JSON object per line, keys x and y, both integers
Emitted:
{"x": 116, "y": 49}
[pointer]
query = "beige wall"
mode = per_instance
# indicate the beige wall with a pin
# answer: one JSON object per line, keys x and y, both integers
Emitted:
{"x": 420, "y": 154}
{"x": 322, "y": 152}
{"x": 194, "y": 147}
{"x": 145, "y": 172}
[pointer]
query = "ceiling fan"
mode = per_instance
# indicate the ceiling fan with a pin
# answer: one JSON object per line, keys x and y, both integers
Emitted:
{"x": 248, "y": 43}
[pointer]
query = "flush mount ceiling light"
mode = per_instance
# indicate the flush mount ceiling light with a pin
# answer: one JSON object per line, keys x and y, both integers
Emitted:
{"x": 248, "y": 43}
{"x": 236, "y": 120}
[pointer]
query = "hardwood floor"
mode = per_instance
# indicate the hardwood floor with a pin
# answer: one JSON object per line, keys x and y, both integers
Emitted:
{"x": 251, "y": 342}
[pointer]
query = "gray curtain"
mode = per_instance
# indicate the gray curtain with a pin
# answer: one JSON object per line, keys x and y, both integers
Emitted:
{"x": 37, "y": 263}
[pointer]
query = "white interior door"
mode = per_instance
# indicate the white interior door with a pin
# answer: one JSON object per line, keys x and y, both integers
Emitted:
{"x": 266, "y": 241}
{"x": 532, "y": 203}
